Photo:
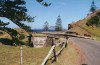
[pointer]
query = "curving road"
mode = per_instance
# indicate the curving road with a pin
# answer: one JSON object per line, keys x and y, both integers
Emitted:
{"x": 91, "y": 49}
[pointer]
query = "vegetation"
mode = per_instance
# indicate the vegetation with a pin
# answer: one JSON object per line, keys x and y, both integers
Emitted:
{"x": 11, "y": 32}
{"x": 95, "y": 31}
{"x": 10, "y": 55}
{"x": 93, "y": 7}
{"x": 3, "y": 24}
{"x": 58, "y": 26}
{"x": 94, "y": 21}
{"x": 69, "y": 56}
{"x": 43, "y": 3}
{"x": 88, "y": 26}
{"x": 15, "y": 10}
{"x": 46, "y": 26}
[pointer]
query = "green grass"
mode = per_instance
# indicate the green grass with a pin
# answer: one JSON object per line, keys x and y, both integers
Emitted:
{"x": 97, "y": 38}
{"x": 94, "y": 31}
{"x": 10, "y": 55}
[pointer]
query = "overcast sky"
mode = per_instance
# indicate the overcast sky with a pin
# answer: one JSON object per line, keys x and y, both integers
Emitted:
{"x": 69, "y": 10}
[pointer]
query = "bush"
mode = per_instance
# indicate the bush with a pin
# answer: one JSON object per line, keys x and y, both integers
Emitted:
{"x": 93, "y": 21}
{"x": 22, "y": 36}
{"x": 1, "y": 32}
{"x": 7, "y": 41}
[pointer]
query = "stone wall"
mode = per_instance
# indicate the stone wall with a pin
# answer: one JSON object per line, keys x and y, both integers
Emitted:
{"x": 39, "y": 41}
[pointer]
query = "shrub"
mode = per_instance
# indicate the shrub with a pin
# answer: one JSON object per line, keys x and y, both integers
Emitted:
{"x": 22, "y": 36}
{"x": 93, "y": 21}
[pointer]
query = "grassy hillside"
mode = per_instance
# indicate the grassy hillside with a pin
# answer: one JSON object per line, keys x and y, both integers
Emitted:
{"x": 95, "y": 32}
{"x": 81, "y": 28}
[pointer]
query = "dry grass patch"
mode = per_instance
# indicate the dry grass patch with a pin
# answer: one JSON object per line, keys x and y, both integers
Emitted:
{"x": 68, "y": 57}
{"x": 9, "y": 55}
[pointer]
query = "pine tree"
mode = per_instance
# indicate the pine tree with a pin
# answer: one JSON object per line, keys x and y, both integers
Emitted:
{"x": 58, "y": 26}
{"x": 93, "y": 7}
{"x": 43, "y": 3}
{"x": 13, "y": 33}
{"x": 46, "y": 26}
{"x": 15, "y": 11}
{"x": 2, "y": 24}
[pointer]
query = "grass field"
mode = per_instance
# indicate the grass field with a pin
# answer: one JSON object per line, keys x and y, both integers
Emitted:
{"x": 10, "y": 55}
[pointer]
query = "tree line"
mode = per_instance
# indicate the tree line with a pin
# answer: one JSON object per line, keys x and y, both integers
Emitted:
{"x": 58, "y": 25}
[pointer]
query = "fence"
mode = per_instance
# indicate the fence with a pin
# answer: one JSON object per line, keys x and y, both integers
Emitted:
{"x": 24, "y": 55}
{"x": 55, "y": 54}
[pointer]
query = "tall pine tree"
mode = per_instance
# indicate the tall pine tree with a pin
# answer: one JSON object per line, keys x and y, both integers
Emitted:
{"x": 93, "y": 7}
{"x": 58, "y": 26}
{"x": 46, "y": 26}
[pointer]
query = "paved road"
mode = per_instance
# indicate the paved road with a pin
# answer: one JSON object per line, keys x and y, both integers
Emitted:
{"x": 91, "y": 49}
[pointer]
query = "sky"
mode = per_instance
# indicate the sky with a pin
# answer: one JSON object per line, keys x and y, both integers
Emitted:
{"x": 69, "y": 10}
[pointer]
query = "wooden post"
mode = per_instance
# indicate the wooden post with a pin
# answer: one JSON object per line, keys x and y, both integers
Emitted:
{"x": 66, "y": 42}
{"x": 45, "y": 60}
{"x": 54, "y": 52}
{"x": 21, "y": 59}
{"x": 52, "y": 41}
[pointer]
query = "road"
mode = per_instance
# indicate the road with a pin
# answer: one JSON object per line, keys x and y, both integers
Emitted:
{"x": 91, "y": 49}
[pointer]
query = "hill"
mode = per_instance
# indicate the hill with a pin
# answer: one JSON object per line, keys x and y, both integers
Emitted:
{"x": 81, "y": 28}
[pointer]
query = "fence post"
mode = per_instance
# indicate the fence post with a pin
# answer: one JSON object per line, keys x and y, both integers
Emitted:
{"x": 54, "y": 52}
{"x": 66, "y": 42}
{"x": 46, "y": 59}
{"x": 52, "y": 41}
{"x": 21, "y": 59}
